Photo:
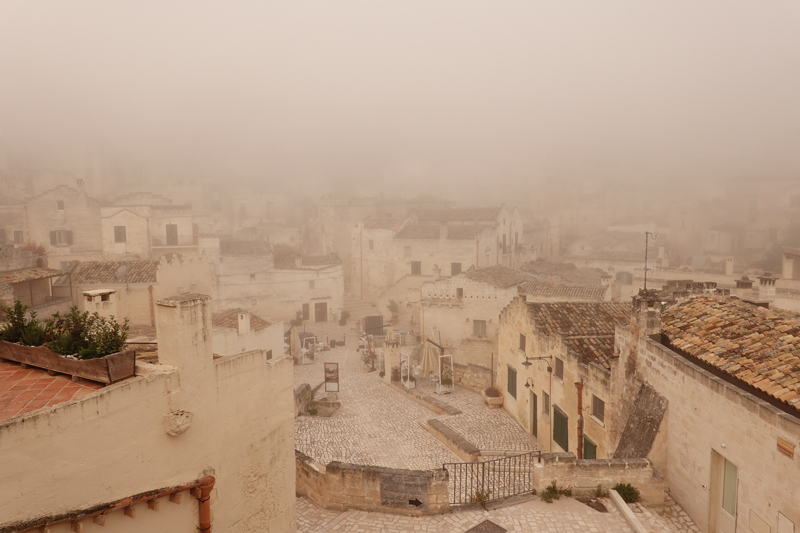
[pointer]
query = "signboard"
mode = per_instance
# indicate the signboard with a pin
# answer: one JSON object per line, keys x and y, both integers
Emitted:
{"x": 373, "y": 325}
{"x": 331, "y": 377}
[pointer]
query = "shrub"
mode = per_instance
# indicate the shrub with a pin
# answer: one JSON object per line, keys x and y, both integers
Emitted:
{"x": 627, "y": 492}
{"x": 313, "y": 411}
{"x": 298, "y": 319}
{"x": 481, "y": 496}
{"x": 37, "y": 248}
{"x": 599, "y": 492}
{"x": 393, "y": 307}
{"x": 492, "y": 392}
{"x": 554, "y": 492}
{"x": 16, "y": 323}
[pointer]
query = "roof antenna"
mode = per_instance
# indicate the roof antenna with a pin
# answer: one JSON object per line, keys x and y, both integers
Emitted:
{"x": 647, "y": 235}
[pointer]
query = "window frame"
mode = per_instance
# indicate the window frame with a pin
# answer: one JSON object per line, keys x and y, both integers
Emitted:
{"x": 560, "y": 423}
{"x": 523, "y": 342}
{"x": 589, "y": 444}
{"x": 602, "y": 418}
{"x": 124, "y": 234}
{"x": 545, "y": 404}
{"x": 475, "y": 324}
{"x": 512, "y": 390}
{"x": 558, "y": 365}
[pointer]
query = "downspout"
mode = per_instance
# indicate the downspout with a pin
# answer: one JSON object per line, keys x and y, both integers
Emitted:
{"x": 204, "y": 503}
{"x": 579, "y": 387}
{"x": 361, "y": 260}
{"x": 477, "y": 253}
{"x": 152, "y": 307}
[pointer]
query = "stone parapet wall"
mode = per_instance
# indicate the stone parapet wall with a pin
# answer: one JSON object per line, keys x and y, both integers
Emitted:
{"x": 585, "y": 475}
{"x": 472, "y": 377}
{"x": 340, "y": 486}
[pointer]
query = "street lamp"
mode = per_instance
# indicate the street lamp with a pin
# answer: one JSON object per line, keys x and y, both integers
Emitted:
{"x": 527, "y": 361}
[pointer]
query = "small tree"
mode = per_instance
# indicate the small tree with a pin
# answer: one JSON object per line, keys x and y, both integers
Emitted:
{"x": 298, "y": 319}
{"x": 393, "y": 308}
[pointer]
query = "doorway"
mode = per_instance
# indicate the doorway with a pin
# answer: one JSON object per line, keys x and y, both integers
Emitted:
{"x": 321, "y": 312}
{"x": 724, "y": 492}
{"x": 306, "y": 314}
{"x": 172, "y": 235}
{"x": 534, "y": 416}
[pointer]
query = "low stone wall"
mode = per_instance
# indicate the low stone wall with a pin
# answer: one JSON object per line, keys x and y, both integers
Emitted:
{"x": 340, "y": 486}
{"x": 473, "y": 377}
{"x": 453, "y": 440}
{"x": 302, "y": 397}
{"x": 586, "y": 474}
{"x": 437, "y": 406}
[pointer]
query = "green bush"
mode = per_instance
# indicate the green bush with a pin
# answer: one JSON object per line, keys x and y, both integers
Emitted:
{"x": 554, "y": 492}
{"x": 627, "y": 492}
{"x": 20, "y": 329}
{"x": 87, "y": 335}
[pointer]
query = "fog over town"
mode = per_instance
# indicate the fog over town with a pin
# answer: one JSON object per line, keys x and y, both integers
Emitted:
{"x": 438, "y": 266}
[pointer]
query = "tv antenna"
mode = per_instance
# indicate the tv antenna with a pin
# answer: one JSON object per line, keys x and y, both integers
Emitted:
{"x": 647, "y": 235}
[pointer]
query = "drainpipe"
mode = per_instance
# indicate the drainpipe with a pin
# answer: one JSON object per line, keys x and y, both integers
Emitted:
{"x": 579, "y": 387}
{"x": 152, "y": 307}
{"x": 204, "y": 502}
{"x": 361, "y": 260}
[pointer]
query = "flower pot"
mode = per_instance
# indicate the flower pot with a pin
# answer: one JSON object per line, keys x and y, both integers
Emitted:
{"x": 106, "y": 369}
{"x": 492, "y": 401}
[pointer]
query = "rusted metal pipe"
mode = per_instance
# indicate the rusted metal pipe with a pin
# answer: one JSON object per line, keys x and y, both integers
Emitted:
{"x": 579, "y": 387}
{"x": 206, "y": 484}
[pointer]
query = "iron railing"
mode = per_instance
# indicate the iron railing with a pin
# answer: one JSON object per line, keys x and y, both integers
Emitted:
{"x": 490, "y": 480}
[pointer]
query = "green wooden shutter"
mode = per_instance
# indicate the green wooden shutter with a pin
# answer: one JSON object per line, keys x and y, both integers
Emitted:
{"x": 589, "y": 448}
{"x": 512, "y": 382}
{"x": 560, "y": 428}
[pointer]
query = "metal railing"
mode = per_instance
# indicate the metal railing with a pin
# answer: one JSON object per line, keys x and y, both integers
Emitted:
{"x": 490, "y": 480}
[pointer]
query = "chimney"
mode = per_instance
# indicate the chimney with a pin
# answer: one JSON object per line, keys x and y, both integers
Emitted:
{"x": 244, "y": 323}
{"x": 646, "y": 314}
{"x": 766, "y": 287}
{"x": 729, "y": 266}
{"x": 443, "y": 231}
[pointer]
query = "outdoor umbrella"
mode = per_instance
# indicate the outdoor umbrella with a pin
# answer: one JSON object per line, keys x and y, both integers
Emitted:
{"x": 430, "y": 359}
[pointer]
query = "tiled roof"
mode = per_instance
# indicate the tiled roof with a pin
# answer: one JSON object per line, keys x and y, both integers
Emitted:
{"x": 566, "y": 272}
{"x": 587, "y": 328}
{"x": 25, "y": 390}
{"x": 29, "y": 274}
{"x": 431, "y": 231}
{"x": 382, "y": 223}
{"x": 230, "y": 319}
{"x": 757, "y": 346}
{"x": 546, "y": 267}
{"x": 94, "y": 272}
{"x": 458, "y": 214}
{"x": 499, "y": 276}
{"x": 244, "y": 248}
{"x": 554, "y": 289}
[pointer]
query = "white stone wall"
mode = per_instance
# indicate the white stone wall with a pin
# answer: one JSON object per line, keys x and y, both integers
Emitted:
{"x": 228, "y": 341}
{"x": 514, "y": 319}
{"x": 136, "y": 231}
{"x": 705, "y": 415}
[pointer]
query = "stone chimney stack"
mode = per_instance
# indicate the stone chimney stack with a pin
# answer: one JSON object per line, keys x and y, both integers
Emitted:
{"x": 244, "y": 323}
{"x": 646, "y": 315}
{"x": 729, "y": 266}
{"x": 766, "y": 287}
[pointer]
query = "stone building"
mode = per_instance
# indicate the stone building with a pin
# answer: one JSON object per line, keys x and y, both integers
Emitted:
{"x": 237, "y": 331}
{"x": 554, "y": 368}
{"x": 185, "y": 444}
{"x": 709, "y": 391}
{"x": 34, "y": 288}
{"x": 68, "y": 220}
{"x": 147, "y": 226}
{"x": 13, "y": 227}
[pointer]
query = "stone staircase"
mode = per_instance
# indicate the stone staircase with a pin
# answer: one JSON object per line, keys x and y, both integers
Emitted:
{"x": 359, "y": 309}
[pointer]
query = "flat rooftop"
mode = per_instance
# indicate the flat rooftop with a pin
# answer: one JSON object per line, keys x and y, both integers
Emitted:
{"x": 26, "y": 389}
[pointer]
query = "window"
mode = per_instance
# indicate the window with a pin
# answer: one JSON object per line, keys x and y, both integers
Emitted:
{"x": 120, "y": 234}
{"x": 459, "y": 293}
{"x": 371, "y": 244}
{"x": 559, "y": 369}
{"x": 512, "y": 382}
{"x": 18, "y": 237}
{"x": 269, "y": 355}
{"x": 479, "y": 328}
{"x": 546, "y": 404}
{"x": 60, "y": 237}
{"x": 560, "y": 428}
{"x": 589, "y": 448}
{"x": 598, "y": 408}
{"x": 407, "y": 251}
{"x": 455, "y": 269}
{"x": 253, "y": 301}
{"x": 105, "y": 297}
{"x": 311, "y": 284}
{"x": 252, "y": 277}
{"x": 416, "y": 268}
{"x": 60, "y": 205}
{"x": 522, "y": 341}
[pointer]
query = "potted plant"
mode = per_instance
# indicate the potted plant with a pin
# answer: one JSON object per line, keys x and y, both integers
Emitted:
{"x": 493, "y": 397}
{"x": 410, "y": 382}
{"x": 343, "y": 319}
{"x": 366, "y": 358}
{"x": 79, "y": 344}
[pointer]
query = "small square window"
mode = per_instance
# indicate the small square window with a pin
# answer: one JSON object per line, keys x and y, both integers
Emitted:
{"x": 269, "y": 355}
{"x": 120, "y": 234}
{"x": 60, "y": 205}
{"x": 407, "y": 251}
{"x": 522, "y": 342}
{"x": 598, "y": 408}
{"x": 105, "y": 297}
{"x": 559, "y": 369}
{"x": 479, "y": 328}
{"x": 416, "y": 268}
{"x": 311, "y": 284}
{"x": 252, "y": 277}
{"x": 459, "y": 293}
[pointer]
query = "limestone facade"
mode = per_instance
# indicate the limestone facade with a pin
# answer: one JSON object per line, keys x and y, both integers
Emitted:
{"x": 240, "y": 432}
{"x": 147, "y": 231}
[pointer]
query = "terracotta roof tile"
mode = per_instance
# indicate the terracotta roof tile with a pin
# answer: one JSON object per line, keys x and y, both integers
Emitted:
{"x": 500, "y": 276}
{"x": 230, "y": 319}
{"x": 29, "y": 274}
{"x": 553, "y": 289}
{"x": 94, "y": 272}
{"x": 758, "y": 346}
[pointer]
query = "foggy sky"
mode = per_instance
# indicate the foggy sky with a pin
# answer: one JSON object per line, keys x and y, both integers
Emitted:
{"x": 428, "y": 95}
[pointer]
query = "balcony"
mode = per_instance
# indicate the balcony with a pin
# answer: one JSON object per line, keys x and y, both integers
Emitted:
{"x": 173, "y": 241}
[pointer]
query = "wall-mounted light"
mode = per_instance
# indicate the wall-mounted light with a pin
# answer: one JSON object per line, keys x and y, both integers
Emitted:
{"x": 527, "y": 361}
{"x": 529, "y": 383}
